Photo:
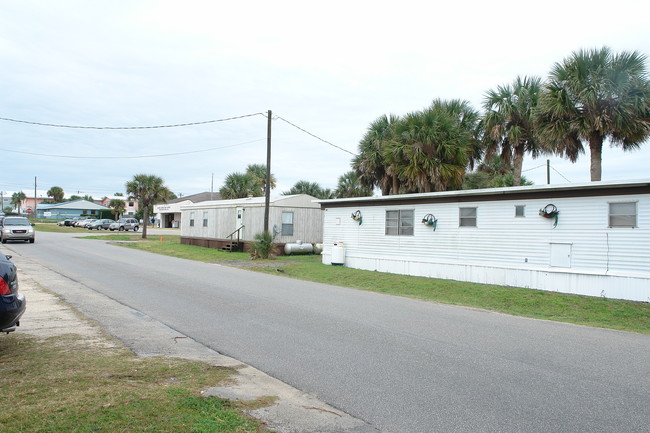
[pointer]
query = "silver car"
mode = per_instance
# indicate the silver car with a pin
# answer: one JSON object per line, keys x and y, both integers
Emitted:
{"x": 16, "y": 228}
{"x": 125, "y": 224}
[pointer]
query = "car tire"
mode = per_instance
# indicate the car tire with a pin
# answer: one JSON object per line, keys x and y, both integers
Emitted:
{"x": 4, "y": 241}
{"x": 121, "y": 228}
{"x": 31, "y": 241}
{"x": 135, "y": 229}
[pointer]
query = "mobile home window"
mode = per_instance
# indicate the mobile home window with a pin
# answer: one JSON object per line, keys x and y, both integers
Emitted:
{"x": 622, "y": 214}
{"x": 191, "y": 219}
{"x": 467, "y": 217}
{"x": 287, "y": 223}
{"x": 520, "y": 211}
{"x": 399, "y": 222}
{"x": 205, "y": 218}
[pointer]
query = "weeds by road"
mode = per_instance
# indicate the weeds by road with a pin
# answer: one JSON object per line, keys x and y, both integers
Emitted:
{"x": 60, "y": 385}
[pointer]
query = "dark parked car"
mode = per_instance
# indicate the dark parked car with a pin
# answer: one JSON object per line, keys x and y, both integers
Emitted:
{"x": 12, "y": 303}
{"x": 16, "y": 228}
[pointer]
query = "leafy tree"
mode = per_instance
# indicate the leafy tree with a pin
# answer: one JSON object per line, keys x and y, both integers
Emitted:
{"x": 88, "y": 197}
{"x": 56, "y": 192}
{"x": 240, "y": 185}
{"x": 258, "y": 171}
{"x": 309, "y": 188}
{"x": 75, "y": 197}
{"x": 148, "y": 189}
{"x": 17, "y": 200}
{"x": 118, "y": 194}
{"x": 118, "y": 206}
{"x": 350, "y": 186}
{"x": 594, "y": 95}
{"x": 509, "y": 122}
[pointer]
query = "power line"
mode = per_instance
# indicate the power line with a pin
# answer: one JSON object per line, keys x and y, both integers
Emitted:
{"x": 315, "y": 136}
{"x": 534, "y": 168}
{"x": 561, "y": 174}
{"x": 131, "y": 157}
{"x": 176, "y": 125}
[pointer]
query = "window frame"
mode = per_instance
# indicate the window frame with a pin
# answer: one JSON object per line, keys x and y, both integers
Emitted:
{"x": 398, "y": 222}
{"x": 521, "y": 207}
{"x": 205, "y": 218}
{"x": 467, "y": 218}
{"x": 635, "y": 215}
{"x": 287, "y": 228}
{"x": 192, "y": 219}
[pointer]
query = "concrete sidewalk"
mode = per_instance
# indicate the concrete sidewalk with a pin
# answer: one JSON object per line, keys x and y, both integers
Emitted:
{"x": 57, "y": 306}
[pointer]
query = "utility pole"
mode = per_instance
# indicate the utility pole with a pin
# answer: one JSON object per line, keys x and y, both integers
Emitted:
{"x": 267, "y": 188}
{"x": 35, "y": 205}
{"x": 548, "y": 171}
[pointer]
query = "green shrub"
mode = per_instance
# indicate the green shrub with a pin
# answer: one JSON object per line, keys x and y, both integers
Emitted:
{"x": 262, "y": 246}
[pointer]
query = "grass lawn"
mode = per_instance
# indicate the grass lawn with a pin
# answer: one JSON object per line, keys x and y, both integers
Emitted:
{"x": 60, "y": 385}
{"x": 583, "y": 310}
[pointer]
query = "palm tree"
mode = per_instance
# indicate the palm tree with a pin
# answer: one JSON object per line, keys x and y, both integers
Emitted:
{"x": 370, "y": 165}
{"x": 56, "y": 192}
{"x": 258, "y": 171}
{"x": 508, "y": 122}
{"x": 309, "y": 188}
{"x": 436, "y": 146}
{"x": 17, "y": 199}
{"x": 240, "y": 185}
{"x": 595, "y": 95}
{"x": 117, "y": 206}
{"x": 148, "y": 189}
{"x": 349, "y": 186}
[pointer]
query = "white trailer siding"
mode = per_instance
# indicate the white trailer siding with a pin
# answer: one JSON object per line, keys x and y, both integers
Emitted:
{"x": 581, "y": 255}
{"x": 222, "y": 218}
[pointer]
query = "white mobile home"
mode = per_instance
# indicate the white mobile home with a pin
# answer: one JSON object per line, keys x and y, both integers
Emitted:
{"x": 591, "y": 238}
{"x": 221, "y": 223}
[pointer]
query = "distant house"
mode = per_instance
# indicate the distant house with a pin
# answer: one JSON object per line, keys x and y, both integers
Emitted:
{"x": 28, "y": 205}
{"x": 130, "y": 206}
{"x": 70, "y": 209}
{"x": 169, "y": 214}
{"x": 219, "y": 223}
{"x": 598, "y": 243}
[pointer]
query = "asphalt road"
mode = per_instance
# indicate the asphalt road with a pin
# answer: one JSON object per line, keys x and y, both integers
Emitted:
{"x": 401, "y": 365}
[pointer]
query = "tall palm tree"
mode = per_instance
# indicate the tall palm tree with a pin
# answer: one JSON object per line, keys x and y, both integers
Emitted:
{"x": 56, "y": 192}
{"x": 594, "y": 95}
{"x": 437, "y": 145}
{"x": 258, "y": 171}
{"x": 509, "y": 122}
{"x": 240, "y": 185}
{"x": 17, "y": 199}
{"x": 371, "y": 165}
{"x": 349, "y": 186}
{"x": 148, "y": 189}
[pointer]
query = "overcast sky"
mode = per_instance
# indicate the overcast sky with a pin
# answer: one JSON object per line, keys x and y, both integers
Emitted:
{"x": 329, "y": 68}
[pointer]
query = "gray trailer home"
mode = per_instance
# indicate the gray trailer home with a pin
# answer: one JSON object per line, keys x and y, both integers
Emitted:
{"x": 590, "y": 238}
{"x": 233, "y": 224}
